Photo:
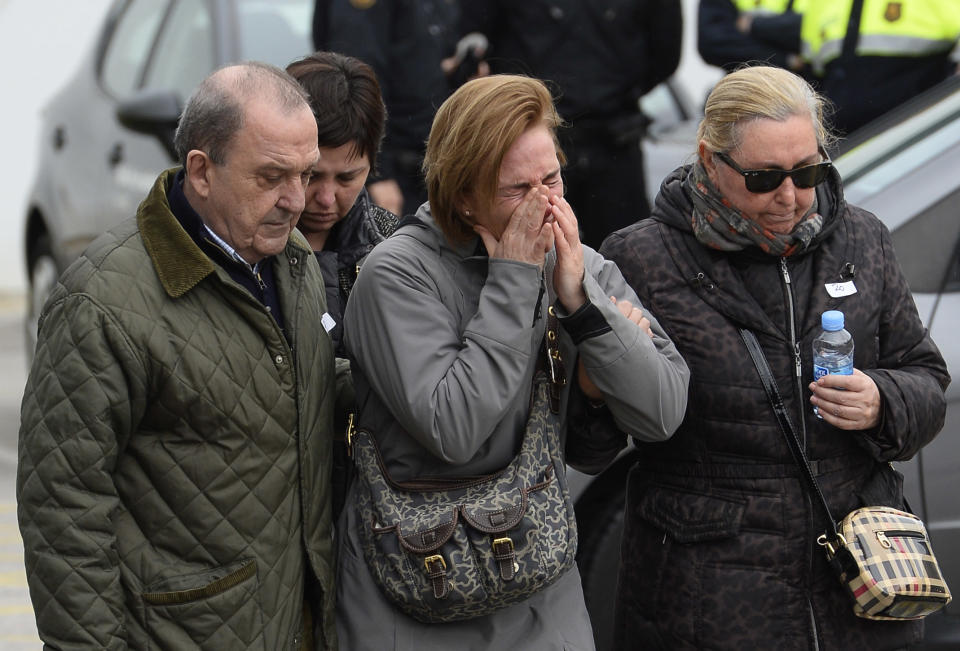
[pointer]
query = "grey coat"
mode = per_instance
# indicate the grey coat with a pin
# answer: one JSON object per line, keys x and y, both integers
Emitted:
{"x": 444, "y": 343}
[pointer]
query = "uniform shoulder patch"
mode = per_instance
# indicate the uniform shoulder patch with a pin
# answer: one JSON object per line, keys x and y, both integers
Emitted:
{"x": 892, "y": 12}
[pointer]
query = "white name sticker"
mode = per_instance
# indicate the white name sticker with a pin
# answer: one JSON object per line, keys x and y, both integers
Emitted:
{"x": 838, "y": 290}
{"x": 328, "y": 322}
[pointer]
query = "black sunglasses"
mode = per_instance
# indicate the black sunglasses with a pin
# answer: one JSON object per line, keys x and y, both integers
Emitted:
{"x": 760, "y": 181}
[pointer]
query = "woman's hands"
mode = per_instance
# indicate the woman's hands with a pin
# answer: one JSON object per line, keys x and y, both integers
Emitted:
{"x": 541, "y": 221}
{"x": 527, "y": 236}
{"x": 850, "y": 402}
{"x": 568, "y": 273}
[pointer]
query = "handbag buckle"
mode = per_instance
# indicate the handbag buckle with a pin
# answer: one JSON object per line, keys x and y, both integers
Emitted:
{"x": 823, "y": 542}
{"x": 506, "y": 558}
{"x": 437, "y": 571}
{"x": 432, "y": 560}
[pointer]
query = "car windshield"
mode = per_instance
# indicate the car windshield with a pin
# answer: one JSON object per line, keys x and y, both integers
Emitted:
{"x": 275, "y": 31}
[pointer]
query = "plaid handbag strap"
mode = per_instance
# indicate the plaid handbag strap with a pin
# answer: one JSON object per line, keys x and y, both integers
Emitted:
{"x": 786, "y": 426}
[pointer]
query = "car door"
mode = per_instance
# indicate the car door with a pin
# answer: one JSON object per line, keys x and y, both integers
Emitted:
{"x": 90, "y": 188}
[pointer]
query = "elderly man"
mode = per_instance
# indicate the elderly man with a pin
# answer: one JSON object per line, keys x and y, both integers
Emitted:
{"x": 176, "y": 424}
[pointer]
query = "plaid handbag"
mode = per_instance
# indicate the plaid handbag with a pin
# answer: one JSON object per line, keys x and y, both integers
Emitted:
{"x": 443, "y": 550}
{"x": 881, "y": 555}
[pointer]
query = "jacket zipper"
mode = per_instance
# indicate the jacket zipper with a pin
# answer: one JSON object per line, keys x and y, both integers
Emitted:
{"x": 797, "y": 364}
{"x": 798, "y": 377}
{"x": 885, "y": 542}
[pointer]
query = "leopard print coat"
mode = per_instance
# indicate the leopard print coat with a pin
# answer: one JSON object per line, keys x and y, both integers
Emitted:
{"x": 719, "y": 546}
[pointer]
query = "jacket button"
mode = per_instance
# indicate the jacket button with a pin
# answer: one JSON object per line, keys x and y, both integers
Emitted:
{"x": 278, "y": 359}
{"x": 293, "y": 262}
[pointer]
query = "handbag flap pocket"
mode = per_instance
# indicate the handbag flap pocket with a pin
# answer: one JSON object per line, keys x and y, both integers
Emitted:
{"x": 499, "y": 516}
{"x": 691, "y": 517}
{"x": 426, "y": 534}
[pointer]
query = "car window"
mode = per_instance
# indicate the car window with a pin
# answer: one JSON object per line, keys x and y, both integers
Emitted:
{"x": 129, "y": 46}
{"x": 185, "y": 51}
{"x": 275, "y": 31}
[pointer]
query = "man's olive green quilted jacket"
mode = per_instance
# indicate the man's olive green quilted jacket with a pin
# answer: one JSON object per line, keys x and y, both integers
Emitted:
{"x": 174, "y": 450}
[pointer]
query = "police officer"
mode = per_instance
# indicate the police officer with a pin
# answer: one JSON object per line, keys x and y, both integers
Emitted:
{"x": 600, "y": 57}
{"x": 733, "y": 32}
{"x": 404, "y": 41}
{"x": 872, "y": 55}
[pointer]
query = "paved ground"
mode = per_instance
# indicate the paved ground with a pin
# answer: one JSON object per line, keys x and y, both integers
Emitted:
{"x": 18, "y": 630}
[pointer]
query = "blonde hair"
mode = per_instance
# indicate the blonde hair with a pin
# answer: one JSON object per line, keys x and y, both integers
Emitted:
{"x": 757, "y": 93}
{"x": 471, "y": 133}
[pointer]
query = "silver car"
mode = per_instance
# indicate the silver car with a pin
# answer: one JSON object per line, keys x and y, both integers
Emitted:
{"x": 109, "y": 132}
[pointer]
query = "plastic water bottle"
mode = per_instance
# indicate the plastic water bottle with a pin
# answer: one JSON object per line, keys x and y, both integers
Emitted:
{"x": 832, "y": 349}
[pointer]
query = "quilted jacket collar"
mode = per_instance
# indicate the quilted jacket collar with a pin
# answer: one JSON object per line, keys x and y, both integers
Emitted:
{"x": 179, "y": 262}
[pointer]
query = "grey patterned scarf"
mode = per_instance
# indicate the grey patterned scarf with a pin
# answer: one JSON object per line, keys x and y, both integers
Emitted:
{"x": 719, "y": 225}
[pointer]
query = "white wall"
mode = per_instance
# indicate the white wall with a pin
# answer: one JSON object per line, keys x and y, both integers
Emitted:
{"x": 41, "y": 42}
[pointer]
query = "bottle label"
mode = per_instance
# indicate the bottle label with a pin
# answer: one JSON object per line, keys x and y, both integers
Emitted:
{"x": 820, "y": 371}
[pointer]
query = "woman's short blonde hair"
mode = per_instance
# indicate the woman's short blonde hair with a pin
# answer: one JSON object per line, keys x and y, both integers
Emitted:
{"x": 471, "y": 133}
{"x": 757, "y": 93}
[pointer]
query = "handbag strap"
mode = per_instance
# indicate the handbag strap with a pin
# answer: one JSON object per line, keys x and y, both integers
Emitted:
{"x": 786, "y": 425}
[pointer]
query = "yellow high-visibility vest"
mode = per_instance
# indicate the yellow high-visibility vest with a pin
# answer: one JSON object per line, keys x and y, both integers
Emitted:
{"x": 761, "y": 7}
{"x": 887, "y": 28}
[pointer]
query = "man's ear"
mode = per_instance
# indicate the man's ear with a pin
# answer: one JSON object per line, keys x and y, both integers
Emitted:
{"x": 198, "y": 171}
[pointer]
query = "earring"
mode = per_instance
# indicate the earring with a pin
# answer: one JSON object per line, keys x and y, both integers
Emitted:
{"x": 466, "y": 213}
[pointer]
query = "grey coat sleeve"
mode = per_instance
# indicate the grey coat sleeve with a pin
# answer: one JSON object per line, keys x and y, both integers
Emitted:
{"x": 449, "y": 390}
{"x": 76, "y": 414}
{"x": 644, "y": 381}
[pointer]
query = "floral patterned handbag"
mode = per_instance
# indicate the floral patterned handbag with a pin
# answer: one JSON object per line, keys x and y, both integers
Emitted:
{"x": 443, "y": 550}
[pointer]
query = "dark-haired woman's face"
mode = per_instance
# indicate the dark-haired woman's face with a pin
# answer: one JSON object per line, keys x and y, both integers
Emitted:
{"x": 337, "y": 180}
{"x": 769, "y": 144}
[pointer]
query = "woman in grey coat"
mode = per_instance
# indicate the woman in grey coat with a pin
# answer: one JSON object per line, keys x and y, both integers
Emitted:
{"x": 444, "y": 328}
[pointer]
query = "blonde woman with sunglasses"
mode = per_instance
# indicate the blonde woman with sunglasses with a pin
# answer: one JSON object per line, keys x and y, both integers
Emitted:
{"x": 719, "y": 547}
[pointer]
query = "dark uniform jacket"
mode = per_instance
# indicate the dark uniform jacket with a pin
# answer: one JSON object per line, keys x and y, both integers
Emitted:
{"x": 603, "y": 55}
{"x": 720, "y": 544}
{"x": 175, "y": 450}
{"x": 772, "y": 36}
{"x": 404, "y": 42}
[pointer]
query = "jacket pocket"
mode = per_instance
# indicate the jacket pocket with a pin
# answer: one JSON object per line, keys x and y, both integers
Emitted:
{"x": 691, "y": 517}
{"x": 215, "y": 609}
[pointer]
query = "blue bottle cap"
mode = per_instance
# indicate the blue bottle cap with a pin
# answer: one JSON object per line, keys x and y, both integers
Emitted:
{"x": 832, "y": 320}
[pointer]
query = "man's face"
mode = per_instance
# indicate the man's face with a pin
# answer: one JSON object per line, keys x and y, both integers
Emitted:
{"x": 256, "y": 197}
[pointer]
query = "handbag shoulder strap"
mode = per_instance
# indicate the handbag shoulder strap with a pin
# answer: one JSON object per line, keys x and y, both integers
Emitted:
{"x": 786, "y": 425}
